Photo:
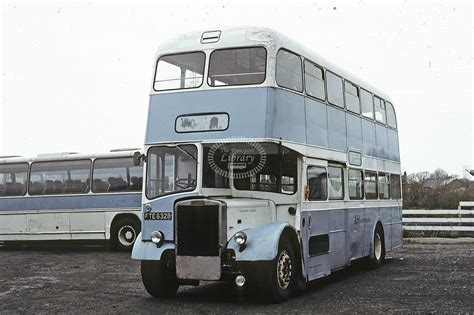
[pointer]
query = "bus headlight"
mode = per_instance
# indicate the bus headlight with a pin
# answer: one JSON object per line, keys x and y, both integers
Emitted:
{"x": 240, "y": 238}
{"x": 157, "y": 237}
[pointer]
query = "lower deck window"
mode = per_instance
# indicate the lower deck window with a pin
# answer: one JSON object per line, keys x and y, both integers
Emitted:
{"x": 317, "y": 183}
{"x": 273, "y": 170}
{"x": 336, "y": 186}
{"x": 356, "y": 184}
{"x": 370, "y": 185}
{"x": 384, "y": 186}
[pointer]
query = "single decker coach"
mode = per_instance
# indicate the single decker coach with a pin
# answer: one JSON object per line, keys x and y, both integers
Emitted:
{"x": 70, "y": 196}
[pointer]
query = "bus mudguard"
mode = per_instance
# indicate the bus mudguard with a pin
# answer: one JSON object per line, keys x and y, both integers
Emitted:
{"x": 148, "y": 250}
{"x": 261, "y": 244}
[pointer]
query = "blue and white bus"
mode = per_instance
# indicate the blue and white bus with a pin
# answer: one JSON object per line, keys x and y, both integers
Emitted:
{"x": 70, "y": 196}
{"x": 266, "y": 165}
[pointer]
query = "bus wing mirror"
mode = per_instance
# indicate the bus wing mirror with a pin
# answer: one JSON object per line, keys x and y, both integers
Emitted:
{"x": 138, "y": 158}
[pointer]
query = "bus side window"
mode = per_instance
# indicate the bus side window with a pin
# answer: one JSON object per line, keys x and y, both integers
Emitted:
{"x": 13, "y": 179}
{"x": 384, "y": 186}
{"x": 335, "y": 89}
{"x": 288, "y": 71}
{"x": 356, "y": 184}
{"x": 370, "y": 185}
{"x": 351, "y": 95}
{"x": 336, "y": 187}
{"x": 314, "y": 80}
{"x": 317, "y": 183}
{"x": 391, "y": 118}
{"x": 395, "y": 186}
{"x": 379, "y": 109}
{"x": 367, "y": 104}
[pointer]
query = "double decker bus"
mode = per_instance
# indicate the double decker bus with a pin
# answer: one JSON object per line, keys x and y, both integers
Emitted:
{"x": 70, "y": 196}
{"x": 266, "y": 165}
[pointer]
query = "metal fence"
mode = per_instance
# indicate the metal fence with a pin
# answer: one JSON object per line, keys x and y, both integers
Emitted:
{"x": 439, "y": 220}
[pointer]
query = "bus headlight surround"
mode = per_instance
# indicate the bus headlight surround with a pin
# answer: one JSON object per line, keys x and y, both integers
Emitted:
{"x": 240, "y": 238}
{"x": 157, "y": 237}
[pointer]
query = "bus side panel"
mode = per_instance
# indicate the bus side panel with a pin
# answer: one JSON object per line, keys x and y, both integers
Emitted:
{"x": 316, "y": 123}
{"x": 356, "y": 232}
{"x": 88, "y": 222}
{"x": 13, "y": 223}
{"x": 337, "y": 238}
{"x": 317, "y": 264}
{"x": 286, "y": 116}
{"x": 372, "y": 213}
{"x": 397, "y": 233}
{"x": 386, "y": 215}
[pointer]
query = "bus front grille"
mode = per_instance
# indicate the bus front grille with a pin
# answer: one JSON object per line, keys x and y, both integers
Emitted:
{"x": 197, "y": 229}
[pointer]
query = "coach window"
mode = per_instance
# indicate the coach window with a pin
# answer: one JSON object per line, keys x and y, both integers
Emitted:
{"x": 384, "y": 186}
{"x": 351, "y": 95}
{"x": 367, "y": 104}
{"x": 370, "y": 185}
{"x": 335, "y": 187}
{"x": 114, "y": 175}
{"x": 60, "y": 177}
{"x": 13, "y": 179}
{"x": 395, "y": 186}
{"x": 179, "y": 71}
{"x": 314, "y": 80}
{"x": 379, "y": 106}
{"x": 288, "y": 70}
{"x": 317, "y": 183}
{"x": 335, "y": 89}
{"x": 356, "y": 184}
{"x": 391, "y": 117}
{"x": 237, "y": 66}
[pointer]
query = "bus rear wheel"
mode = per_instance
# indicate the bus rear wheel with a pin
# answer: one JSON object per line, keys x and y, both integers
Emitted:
{"x": 124, "y": 233}
{"x": 159, "y": 281}
{"x": 378, "y": 251}
{"x": 278, "y": 282}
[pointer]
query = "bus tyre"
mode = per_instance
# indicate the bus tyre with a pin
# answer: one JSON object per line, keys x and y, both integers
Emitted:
{"x": 158, "y": 280}
{"x": 124, "y": 233}
{"x": 278, "y": 282}
{"x": 378, "y": 250}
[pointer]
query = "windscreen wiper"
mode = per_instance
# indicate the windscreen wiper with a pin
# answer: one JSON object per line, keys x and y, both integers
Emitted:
{"x": 186, "y": 152}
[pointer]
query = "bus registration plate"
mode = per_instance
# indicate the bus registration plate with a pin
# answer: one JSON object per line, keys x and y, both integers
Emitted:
{"x": 158, "y": 216}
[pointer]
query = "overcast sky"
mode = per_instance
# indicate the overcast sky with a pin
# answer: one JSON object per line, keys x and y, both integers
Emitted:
{"x": 76, "y": 75}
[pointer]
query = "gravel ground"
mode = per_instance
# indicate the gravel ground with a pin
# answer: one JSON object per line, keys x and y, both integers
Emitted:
{"x": 420, "y": 277}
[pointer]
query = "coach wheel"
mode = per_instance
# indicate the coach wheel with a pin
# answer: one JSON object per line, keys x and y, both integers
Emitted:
{"x": 378, "y": 251}
{"x": 159, "y": 280}
{"x": 278, "y": 282}
{"x": 124, "y": 233}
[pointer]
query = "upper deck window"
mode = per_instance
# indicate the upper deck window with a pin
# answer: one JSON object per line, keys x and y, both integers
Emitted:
{"x": 289, "y": 72}
{"x": 367, "y": 104}
{"x": 335, "y": 89}
{"x": 179, "y": 71}
{"x": 379, "y": 109}
{"x": 314, "y": 80}
{"x": 391, "y": 118}
{"x": 351, "y": 93}
{"x": 239, "y": 66}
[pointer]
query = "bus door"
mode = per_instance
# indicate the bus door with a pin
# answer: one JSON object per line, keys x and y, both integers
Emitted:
{"x": 315, "y": 219}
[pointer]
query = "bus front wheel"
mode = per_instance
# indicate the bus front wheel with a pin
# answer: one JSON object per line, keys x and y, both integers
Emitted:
{"x": 278, "y": 282}
{"x": 124, "y": 233}
{"x": 378, "y": 249}
{"x": 159, "y": 281}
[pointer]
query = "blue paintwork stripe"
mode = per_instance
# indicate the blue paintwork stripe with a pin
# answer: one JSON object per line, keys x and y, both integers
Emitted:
{"x": 115, "y": 201}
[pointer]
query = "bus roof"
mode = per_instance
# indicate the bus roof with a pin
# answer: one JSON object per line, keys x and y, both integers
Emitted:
{"x": 67, "y": 156}
{"x": 252, "y": 36}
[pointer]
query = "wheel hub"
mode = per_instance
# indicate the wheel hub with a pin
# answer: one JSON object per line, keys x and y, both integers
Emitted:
{"x": 126, "y": 235}
{"x": 284, "y": 269}
{"x": 378, "y": 247}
